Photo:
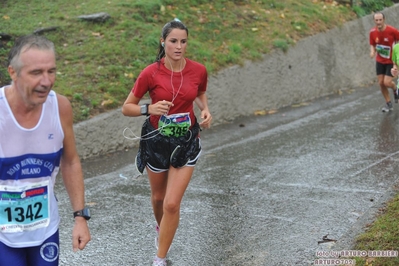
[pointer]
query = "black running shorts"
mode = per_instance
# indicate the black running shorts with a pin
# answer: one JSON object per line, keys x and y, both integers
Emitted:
{"x": 159, "y": 152}
{"x": 383, "y": 69}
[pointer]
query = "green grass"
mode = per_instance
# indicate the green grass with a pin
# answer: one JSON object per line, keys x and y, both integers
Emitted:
{"x": 99, "y": 62}
{"x": 382, "y": 234}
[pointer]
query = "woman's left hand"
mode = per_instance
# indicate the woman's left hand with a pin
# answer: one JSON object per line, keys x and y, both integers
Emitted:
{"x": 206, "y": 119}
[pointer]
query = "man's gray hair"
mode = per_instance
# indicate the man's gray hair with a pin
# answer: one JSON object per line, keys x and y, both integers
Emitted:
{"x": 25, "y": 43}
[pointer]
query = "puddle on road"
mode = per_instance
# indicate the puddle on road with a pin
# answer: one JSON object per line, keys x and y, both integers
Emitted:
{"x": 103, "y": 164}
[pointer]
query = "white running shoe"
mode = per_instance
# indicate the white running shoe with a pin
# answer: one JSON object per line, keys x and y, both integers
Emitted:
{"x": 159, "y": 262}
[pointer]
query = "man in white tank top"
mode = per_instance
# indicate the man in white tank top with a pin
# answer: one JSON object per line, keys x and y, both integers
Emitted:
{"x": 36, "y": 141}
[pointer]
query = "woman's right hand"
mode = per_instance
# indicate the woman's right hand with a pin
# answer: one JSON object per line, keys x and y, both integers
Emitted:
{"x": 160, "y": 108}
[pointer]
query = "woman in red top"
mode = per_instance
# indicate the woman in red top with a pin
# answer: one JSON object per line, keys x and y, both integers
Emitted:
{"x": 170, "y": 143}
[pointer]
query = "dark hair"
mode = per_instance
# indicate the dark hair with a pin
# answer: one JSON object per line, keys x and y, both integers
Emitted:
{"x": 25, "y": 43}
{"x": 167, "y": 28}
{"x": 383, "y": 16}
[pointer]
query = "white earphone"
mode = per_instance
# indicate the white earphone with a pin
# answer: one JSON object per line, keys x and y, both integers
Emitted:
{"x": 163, "y": 44}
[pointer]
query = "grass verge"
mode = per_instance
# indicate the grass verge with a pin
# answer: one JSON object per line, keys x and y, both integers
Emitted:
{"x": 381, "y": 235}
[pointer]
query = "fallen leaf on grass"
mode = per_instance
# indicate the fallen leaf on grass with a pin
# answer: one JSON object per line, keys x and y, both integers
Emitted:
{"x": 97, "y": 34}
{"x": 369, "y": 261}
{"x": 129, "y": 75}
{"x": 107, "y": 102}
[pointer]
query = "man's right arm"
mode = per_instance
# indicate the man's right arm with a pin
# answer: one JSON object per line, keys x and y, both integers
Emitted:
{"x": 372, "y": 51}
{"x": 372, "y": 44}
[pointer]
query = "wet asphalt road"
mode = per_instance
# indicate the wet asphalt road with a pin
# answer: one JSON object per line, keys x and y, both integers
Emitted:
{"x": 265, "y": 191}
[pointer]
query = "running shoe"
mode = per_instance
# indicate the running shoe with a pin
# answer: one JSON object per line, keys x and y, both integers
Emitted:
{"x": 387, "y": 108}
{"x": 159, "y": 262}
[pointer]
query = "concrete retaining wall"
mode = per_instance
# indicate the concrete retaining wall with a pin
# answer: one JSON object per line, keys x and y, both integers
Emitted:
{"x": 316, "y": 66}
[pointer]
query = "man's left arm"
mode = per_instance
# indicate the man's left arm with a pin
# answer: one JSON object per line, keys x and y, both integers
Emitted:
{"x": 72, "y": 174}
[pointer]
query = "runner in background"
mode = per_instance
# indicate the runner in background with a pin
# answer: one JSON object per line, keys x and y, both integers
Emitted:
{"x": 382, "y": 39}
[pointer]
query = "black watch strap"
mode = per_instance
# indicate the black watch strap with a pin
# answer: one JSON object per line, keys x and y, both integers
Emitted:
{"x": 85, "y": 213}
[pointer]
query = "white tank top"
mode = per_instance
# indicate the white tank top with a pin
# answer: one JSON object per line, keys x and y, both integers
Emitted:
{"x": 29, "y": 164}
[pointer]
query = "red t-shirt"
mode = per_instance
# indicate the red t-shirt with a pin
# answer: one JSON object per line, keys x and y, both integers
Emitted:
{"x": 156, "y": 79}
{"x": 384, "y": 41}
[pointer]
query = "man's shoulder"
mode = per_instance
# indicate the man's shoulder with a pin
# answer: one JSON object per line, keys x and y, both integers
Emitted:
{"x": 62, "y": 101}
{"x": 391, "y": 28}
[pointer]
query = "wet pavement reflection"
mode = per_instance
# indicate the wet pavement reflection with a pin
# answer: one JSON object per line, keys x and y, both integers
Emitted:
{"x": 265, "y": 191}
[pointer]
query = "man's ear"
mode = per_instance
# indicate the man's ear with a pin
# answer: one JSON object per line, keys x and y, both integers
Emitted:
{"x": 13, "y": 74}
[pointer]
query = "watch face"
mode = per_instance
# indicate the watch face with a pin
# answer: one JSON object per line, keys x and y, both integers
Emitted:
{"x": 85, "y": 213}
{"x": 144, "y": 109}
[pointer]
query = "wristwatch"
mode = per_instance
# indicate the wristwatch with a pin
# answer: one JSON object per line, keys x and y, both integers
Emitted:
{"x": 85, "y": 213}
{"x": 144, "y": 109}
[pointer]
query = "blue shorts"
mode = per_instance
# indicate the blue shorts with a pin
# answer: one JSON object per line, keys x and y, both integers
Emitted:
{"x": 47, "y": 254}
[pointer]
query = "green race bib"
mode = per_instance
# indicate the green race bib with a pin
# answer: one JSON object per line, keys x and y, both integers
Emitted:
{"x": 175, "y": 125}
